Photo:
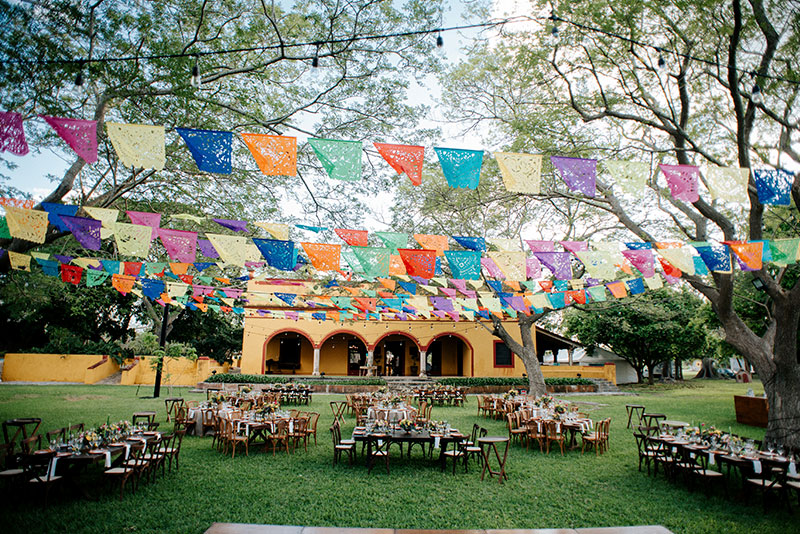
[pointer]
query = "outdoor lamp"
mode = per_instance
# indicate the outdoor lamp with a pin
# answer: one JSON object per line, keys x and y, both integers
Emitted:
{"x": 759, "y": 284}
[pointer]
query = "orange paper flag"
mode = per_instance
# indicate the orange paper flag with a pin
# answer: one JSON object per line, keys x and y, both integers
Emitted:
{"x": 323, "y": 256}
{"x": 276, "y": 155}
{"x": 354, "y": 238}
{"x": 122, "y": 283}
{"x": 404, "y": 159}
{"x": 179, "y": 268}
{"x": 749, "y": 253}
{"x": 433, "y": 242}
{"x": 388, "y": 283}
{"x": 618, "y": 289}
{"x": 396, "y": 265}
{"x": 669, "y": 269}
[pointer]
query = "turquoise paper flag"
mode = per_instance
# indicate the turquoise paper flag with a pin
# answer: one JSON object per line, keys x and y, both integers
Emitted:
{"x": 464, "y": 264}
{"x": 461, "y": 168}
{"x": 374, "y": 260}
{"x": 340, "y": 159}
{"x": 393, "y": 240}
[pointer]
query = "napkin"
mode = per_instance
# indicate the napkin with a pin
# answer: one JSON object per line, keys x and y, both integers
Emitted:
{"x": 127, "y": 450}
{"x": 291, "y": 426}
{"x": 53, "y": 462}
{"x": 107, "y": 454}
{"x": 436, "y": 442}
{"x": 712, "y": 458}
{"x": 757, "y": 466}
{"x": 792, "y": 469}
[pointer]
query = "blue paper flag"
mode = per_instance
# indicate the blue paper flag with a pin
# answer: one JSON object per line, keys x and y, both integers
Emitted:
{"x": 408, "y": 286}
{"x": 203, "y": 265}
{"x": 49, "y": 267}
{"x": 472, "y": 243}
{"x": 316, "y": 229}
{"x": 557, "y": 299}
{"x": 774, "y": 186}
{"x": 496, "y": 285}
{"x": 639, "y": 245}
{"x": 210, "y": 149}
{"x": 716, "y": 257}
{"x": 152, "y": 289}
{"x": 288, "y": 298}
{"x": 111, "y": 266}
{"x": 320, "y": 316}
{"x": 55, "y": 210}
{"x": 464, "y": 264}
{"x": 635, "y": 286}
{"x": 700, "y": 268}
{"x": 560, "y": 285}
{"x": 278, "y": 253}
{"x": 461, "y": 168}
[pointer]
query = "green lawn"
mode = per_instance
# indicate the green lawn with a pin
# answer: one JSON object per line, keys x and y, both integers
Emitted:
{"x": 306, "y": 489}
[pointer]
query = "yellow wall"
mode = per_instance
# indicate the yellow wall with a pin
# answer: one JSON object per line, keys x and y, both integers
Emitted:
{"x": 176, "y": 372}
{"x": 57, "y": 368}
{"x": 607, "y": 372}
{"x": 478, "y": 352}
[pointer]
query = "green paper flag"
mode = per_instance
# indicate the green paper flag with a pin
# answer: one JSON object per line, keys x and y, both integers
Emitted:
{"x": 95, "y": 278}
{"x": 783, "y": 251}
{"x": 4, "y": 233}
{"x": 393, "y": 240}
{"x": 374, "y": 260}
{"x": 341, "y": 159}
{"x": 598, "y": 293}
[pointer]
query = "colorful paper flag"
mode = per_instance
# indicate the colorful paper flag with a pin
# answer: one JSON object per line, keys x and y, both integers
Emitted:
{"x": 406, "y": 159}
{"x": 210, "y": 149}
{"x": 461, "y": 168}
{"x": 682, "y": 181}
{"x": 276, "y": 155}
{"x": 12, "y": 134}
{"x": 30, "y": 225}
{"x": 580, "y": 174}
{"x": 79, "y": 134}
{"x": 340, "y": 159}
{"x": 138, "y": 145}
{"x": 521, "y": 173}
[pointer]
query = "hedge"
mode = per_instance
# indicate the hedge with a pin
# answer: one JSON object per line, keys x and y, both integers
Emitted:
{"x": 220, "y": 378}
{"x": 478, "y": 381}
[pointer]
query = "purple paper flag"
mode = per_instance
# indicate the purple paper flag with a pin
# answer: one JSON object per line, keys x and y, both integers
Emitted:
{"x": 232, "y": 224}
{"x": 207, "y": 249}
{"x": 85, "y": 230}
{"x": 63, "y": 259}
{"x": 153, "y": 220}
{"x": 558, "y": 263}
{"x": 682, "y": 181}
{"x": 442, "y": 303}
{"x": 578, "y": 173}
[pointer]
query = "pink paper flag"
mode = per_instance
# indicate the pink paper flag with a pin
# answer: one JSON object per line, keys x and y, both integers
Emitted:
{"x": 541, "y": 246}
{"x": 533, "y": 268}
{"x": 448, "y": 291}
{"x": 80, "y": 135}
{"x": 492, "y": 268}
{"x": 682, "y": 181}
{"x": 12, "y": 134}
{"x": 153, "y": 220}
{"x": 575, "y": 246}
{"x": 181, "y": 245}
{"x": 642, "y": 260}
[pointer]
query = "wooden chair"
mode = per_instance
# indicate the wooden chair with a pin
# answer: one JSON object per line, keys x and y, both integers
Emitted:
{"x": 457, "y": 453}
{"x": 311, "y": 429}
{"x": 171, "y": 404}
{"x": 280, "y": 435}
{"x": 208, "y": 422}
{"x": 59, "y": 435}
{"x": 471, "y": 448}
{"x": 536, "y": 432}
{"x": 233, "y": 438}
{"x": 10, "y": 471}
{"x": 128, "y": 469}
{"x": 768, "y": 478}
{"x": 598, "y": 439}
{"x": 40, "y": 471}
{"x": 15, "y": 430}
{"x": 646, "y": 454}
{"x": 298, "y": 433}
{"x": 154, "y": 457}
{"x": 662, "y": 456}
{"x": 31, "y": 444}
{"x": 481, "y": 406}
{"x": 339, "y": 447}
{"x": 554, "y": 432}
{"x": 515, "y": 432}
{"x": 378, "y": 449}
{"x": 171, "y": 448}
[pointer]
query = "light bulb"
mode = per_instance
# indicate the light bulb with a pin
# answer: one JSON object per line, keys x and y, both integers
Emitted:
{"x": 662, "y": 64}
{"x": 554, "y": 30}
{"x": 756, "y": 96}
{"x": 439, "y": 41}
{"x": 196, "y": 80}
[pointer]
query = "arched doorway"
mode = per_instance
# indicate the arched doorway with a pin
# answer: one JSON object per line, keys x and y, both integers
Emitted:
{"x": 343, "y": 353}
{"x": 397, "y": 355}
{"x": 288, "y": 352}
{"x": 449, "y": 355}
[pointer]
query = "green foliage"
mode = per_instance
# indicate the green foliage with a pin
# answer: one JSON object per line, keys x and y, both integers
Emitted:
{"x": 658, "y": 326}
{"x": 272, "y": 379}
{"x": 214, "y": 335}
{"x": 478, "y": 381}
{"x": 43, "y": 313}
{"x": 604, "y": 490}
{"x": 146, "y": 344}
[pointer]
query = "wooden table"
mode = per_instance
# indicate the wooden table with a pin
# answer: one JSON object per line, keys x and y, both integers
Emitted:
{"x": 490, "y": 442}
{"x": 421, "y": 437}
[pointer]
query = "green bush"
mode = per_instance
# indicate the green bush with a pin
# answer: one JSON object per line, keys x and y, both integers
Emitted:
{"x": 479, "y": 381}
{"x": 270, "y": 379}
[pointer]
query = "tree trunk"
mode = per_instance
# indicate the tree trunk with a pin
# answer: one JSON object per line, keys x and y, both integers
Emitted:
{"x": 650, "y": 379}
{"x": 707, "y": 370}
{"x": 526, "y": 351}
{"x": 783, "y": 399}
{"x": 536, "y": 385}
{"x": 639, "y": 373}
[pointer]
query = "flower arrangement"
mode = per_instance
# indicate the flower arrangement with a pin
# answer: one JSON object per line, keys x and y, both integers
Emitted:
{"x": 513, "y": 392}
{"x": 407, "y": 425}
{"x": 559, "y": 411}
{"x": 269, "y": 408}
{"x": 217, "y": 398}
{"x": 394, "y": 400}
{"x": 383, "y": 390}
{"x": 247, "y": 389}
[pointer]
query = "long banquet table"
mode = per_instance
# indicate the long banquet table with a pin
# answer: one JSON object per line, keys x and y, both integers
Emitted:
{"x": 435, "y": 440}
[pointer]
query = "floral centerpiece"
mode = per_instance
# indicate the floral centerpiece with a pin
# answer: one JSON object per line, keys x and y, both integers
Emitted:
{"x": 217, "y": 398}
{"x": 394, "y": 400}
{"x": 559, "y": 411}
{"x": 407, "y": 425}
{"x": 247, "y": 389}
{"x": 269, "y": 408}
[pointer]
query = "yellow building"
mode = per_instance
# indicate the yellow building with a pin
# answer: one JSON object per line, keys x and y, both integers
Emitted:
{"x": 384, "y": 347}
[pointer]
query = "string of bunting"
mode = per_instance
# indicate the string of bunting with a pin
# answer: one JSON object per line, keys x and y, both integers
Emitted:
{"x": 406, "y": 283}
{"x": 143, "y": 146}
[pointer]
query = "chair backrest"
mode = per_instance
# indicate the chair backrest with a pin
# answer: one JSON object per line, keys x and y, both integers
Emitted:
{"x": 30, "y": 444}
{"x": 511, "y": 421}
{"x": 59, "y": 435}
{"x": 300, "y": 426}
{"x": 474, "y": 436}
{"x": 20, "y": 428}
{"x": 246, "y": 405}
{"x": 336, "y": 433}
{"x": 552, "y": 429}
{"x": 482, "y": 433}
{"x": 312, "y": 421}
{"x": 40, "y": 466}
{"x": 281, "y": 427}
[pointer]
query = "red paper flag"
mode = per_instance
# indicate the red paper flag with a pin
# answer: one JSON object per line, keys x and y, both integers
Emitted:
{"x": 404, "y": 159}
{"x": 71, "y": 274}
{"x": 354, "y": 238}
{"x": 419, "y": 262}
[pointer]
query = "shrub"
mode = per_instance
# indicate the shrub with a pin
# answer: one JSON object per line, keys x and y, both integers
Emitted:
{"x": 270, "y": 379}
{"x": 479, "y": 381}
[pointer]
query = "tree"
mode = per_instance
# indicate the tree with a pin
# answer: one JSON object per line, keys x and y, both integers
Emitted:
{"x": 646, "y": 330}
{"x": 218, "y": 336}
{"x": 602, "y": 71}
{"x": 271, "y": 83}
{"x": 40, "y": 311}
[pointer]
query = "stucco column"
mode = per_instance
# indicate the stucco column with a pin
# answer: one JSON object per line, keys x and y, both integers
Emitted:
{"x": 316, "y": 362}
{"x": 569, "y": 356}
{"x": 370, "y": 371}
{"x": 423, "y": 363}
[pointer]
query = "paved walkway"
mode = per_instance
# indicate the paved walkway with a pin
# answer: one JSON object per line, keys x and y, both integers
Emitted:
{"x": 242, "y": 528}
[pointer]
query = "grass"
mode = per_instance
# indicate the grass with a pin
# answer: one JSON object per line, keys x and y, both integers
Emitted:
{"x": 544, "y": 491}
